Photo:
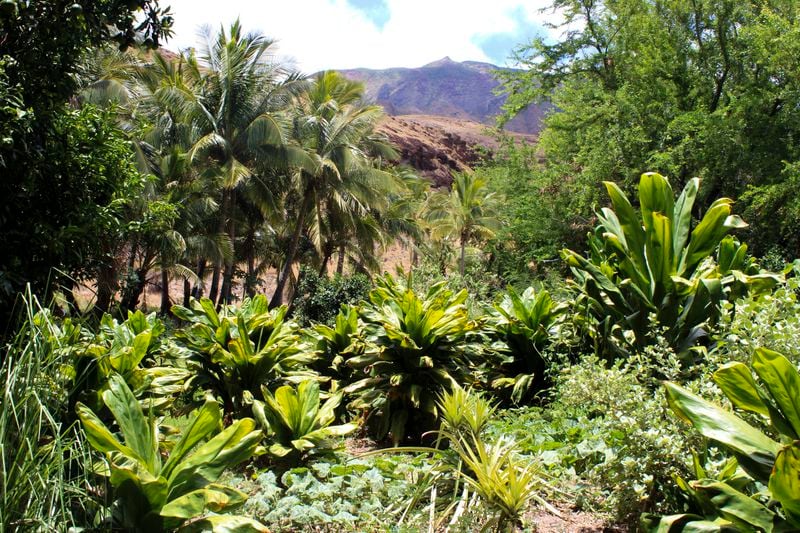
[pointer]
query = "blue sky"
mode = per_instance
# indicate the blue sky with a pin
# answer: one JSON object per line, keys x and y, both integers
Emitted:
{"x": 320, "y": 34}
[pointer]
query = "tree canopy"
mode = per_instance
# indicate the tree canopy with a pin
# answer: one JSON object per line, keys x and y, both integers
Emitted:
{"x": 702, "y": 88}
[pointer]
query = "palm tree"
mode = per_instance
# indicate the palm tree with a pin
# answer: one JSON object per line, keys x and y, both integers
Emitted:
{"x": 340, "y": 179}
{"x": 245, "y": 95}
{"x": 464, "y": 214}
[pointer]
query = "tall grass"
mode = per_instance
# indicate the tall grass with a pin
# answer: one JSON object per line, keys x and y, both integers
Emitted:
{"x": 43, "y": 456}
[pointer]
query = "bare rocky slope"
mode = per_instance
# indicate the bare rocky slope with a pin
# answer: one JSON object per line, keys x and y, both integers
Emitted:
{"x": 439, "y": 115}
{"x": 438, "y": 146}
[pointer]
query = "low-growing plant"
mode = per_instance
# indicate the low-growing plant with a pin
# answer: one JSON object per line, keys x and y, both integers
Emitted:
{"x": 296, "y": 423}
{"x": 151, "y": 494}
{"x": 129, "y": 349}
{"x": 236, "y": 351}
{"x": 356, "y": 494}
{"x": 523, "y": 324}
{"x": 503, "y": 481}
{"x": 606, "y": 440}
{"x": 44, "y": 459}
{"x": 771, "y": 500}
{"x": 417, "y": 347}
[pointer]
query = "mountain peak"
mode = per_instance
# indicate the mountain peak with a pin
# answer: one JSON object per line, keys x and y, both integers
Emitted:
{"x": 441, "y": 62}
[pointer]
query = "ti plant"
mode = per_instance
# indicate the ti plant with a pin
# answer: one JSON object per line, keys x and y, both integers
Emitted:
{"x": 238, "y": 350}
{"x": 417, "y": 347}
{"x": 772, "y": 502}
{"x": 655, "y": 266}
{"x": 129, "y": 349}
{"x": 152, "y": 493}
{"x": 523, "y": 324}
{"x": 295, "y": 421}
{"x": 336, "y": 344}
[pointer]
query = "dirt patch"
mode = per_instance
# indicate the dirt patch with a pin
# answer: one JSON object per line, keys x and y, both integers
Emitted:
{"x": 570, "y": 521}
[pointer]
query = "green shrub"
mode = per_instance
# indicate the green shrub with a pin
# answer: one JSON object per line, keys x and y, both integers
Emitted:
{"x": 151, "y": 494}
{"x": 318, "y": 298}
{"x": 523, "y": 324}
{"x": 655, "y": 269}
{"x": 236, "y": 351}
{"x": 768, "y": 319}
{"x": 417, "y": 347}
{"x": 335, "y": 344}
{"x": 130, "y": 349}
{"x": 769, "y": 500}
{"x": 296, "y": 423}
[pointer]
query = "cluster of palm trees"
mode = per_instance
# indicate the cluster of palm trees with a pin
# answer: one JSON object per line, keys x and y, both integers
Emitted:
{"x": 255, "y": 168}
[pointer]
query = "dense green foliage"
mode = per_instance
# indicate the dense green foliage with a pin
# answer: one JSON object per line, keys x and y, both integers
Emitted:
{"x": 67, "y": 173}
{"x": 655, "y": 270}
{"x": 702, "y": 89}
{"x": 733, "y": 500}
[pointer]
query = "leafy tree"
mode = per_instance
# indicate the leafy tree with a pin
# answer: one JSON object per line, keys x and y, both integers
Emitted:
{"x": 49, "y": 184}
{"x": 705, "y": 88}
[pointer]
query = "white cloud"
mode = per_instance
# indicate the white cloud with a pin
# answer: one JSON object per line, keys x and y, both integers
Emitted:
{"x": 322, "y": 34}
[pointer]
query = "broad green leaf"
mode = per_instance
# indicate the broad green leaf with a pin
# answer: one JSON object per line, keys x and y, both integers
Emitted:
{"x": 782, "y": 382}
{"x": 233, "y": 445}
{"x": 659, "y": 249}
{"x": 736, "y": 381}
{"x": 213, "y": 497}
{"x": 682, "y": 218}
{"x": 139, "y": 433}
{"x": 736, "y": 506}
{"x": 785, "y": 481}
{"x": 100, "y": 437}
{"x": 630, "y": 222}
{"x": 655, "y": 196}
{"x": 207, "y": 420}
{"x": 706, "y": 235}
{"x": 756, "y": 451}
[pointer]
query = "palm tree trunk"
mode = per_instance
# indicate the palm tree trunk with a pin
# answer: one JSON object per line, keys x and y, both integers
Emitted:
{"x": 277, "y": 297}
{"x": 165, "y": 303}
{"x": 107, "y": 285}
{"x": 214, "y": 289}
{"x": 250, "y": 257}
{"x": 224, "y": 214}
{"x": 340, "y": 262}
{"x": 323, "y": 268}
{"x": 461, "y": 260}
{"x": 197, "y": 290}
{"x": 187, "y": 292}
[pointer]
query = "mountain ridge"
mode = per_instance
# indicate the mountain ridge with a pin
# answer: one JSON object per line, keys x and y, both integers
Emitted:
{"x": 446, "y": 88}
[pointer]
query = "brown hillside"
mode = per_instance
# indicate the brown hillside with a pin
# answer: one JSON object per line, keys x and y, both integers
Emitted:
{"x": 438, "y": 146}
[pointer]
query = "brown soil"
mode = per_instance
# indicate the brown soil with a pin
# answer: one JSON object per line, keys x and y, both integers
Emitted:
{"x": 438, "y": 146}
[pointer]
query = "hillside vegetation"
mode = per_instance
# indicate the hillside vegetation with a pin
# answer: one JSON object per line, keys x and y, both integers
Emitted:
{"x": 597, "y": 331}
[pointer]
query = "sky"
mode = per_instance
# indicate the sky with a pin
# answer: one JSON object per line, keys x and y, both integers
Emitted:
{"x": 340, "y": 34}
